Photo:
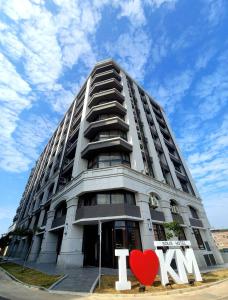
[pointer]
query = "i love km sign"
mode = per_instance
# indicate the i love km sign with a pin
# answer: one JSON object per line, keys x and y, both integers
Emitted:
{"x": 147, "y": 264}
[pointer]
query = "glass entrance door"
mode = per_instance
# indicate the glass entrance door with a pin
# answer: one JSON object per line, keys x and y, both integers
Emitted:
{"x": 115, "y": 235}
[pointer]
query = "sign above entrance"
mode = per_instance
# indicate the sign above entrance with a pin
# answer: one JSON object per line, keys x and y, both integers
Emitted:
{"x": 146, "y": 264}
{"x": 172, "y": 243}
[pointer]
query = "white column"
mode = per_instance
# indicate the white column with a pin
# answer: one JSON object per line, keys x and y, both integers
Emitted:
{"x": 71, "y": 250}
{"x": 136, "y": 157}
{"x": 146, "y": 229}
{"x": 48, "y": 248}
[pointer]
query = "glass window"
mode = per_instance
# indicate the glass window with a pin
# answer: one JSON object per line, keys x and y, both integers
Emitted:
{"x": 193, "y": 212}
{"x": 119, "y": 224}
{"x": 104, "y": 164}
{"x": 130, "y": 199}
{"x": 181, "y": 235}
{"x": 159, "y": 232}
{"x": 103, "y": 198}
{"x": 198, "y": 238}
{"x": 117, "y": 198}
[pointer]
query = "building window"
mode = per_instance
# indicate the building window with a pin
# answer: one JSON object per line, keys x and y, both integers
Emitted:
{"x": 199, "y": 239}
{"x": 159, "y": 232}
{"x": 114, "y": 197}
{"x": 104, "y": 135}
{"x": 107, "y": 116}
{"x": 181, "y": 235}
{"x": 193, "y": 212}
{"x": 104, "y": 160}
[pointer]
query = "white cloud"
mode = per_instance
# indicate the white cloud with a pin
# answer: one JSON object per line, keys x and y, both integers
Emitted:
{"x": 212, "y": 91}
{"x": 133, "y": 9}
{"x": 214, "y": 11}
{"x": 132, "y": 51}
{"x": 173, "y": 89}
{"x": 17, "y": 10}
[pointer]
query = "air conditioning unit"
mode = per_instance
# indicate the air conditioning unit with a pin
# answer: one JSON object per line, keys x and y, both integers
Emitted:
{"x": 153, "y": 202}
{"x": 174, "y": 209}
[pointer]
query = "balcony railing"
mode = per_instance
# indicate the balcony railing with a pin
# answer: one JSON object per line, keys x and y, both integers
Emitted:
{"x": 108, "y": 95}
{"x": 112, "y": 107}
{"x": 114, "y": 144}
{"x": 106, "y": 85}
{"x": 107, "y": 210}
{"x": 114, "y": 123}
{"x": 105, "y": 75}
{"x": 106, "y": 67}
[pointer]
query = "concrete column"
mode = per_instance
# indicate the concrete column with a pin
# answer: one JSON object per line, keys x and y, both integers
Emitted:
{"x": 136, "y": 157}
{"x": 146, "y": 229}
{"x": 42, "y": 213}
{"x": 34, "y": 252}
{"x": 19, "y": 248}
{"x": 71, "y": 250}
{"x": 81, "y": 164}
{"x": 48, "y": 248}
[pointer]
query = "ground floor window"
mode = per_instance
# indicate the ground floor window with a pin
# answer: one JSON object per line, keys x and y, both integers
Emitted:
{"x": 159, "y": 232}
{"x": 198, "y": 238}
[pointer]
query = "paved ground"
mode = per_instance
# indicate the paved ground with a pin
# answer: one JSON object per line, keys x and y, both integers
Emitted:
{"x": 10, "y": 290}
{"x": 79, "y": 279}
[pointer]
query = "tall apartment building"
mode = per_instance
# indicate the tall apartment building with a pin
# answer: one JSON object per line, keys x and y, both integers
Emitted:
{"x": 113, "y": 158}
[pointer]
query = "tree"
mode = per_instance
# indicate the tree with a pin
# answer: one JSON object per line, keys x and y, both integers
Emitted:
{"x": 172, "y": 229}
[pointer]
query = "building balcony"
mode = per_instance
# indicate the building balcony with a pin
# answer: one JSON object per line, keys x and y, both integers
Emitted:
{"x": 74, "y": 133}
{"x": 170, "y": 144}
{"x": 113, "y": 107}
{"x": 58, "y": 222}
{"x": 195, "y": 222}
{"x": 103, "y": 68}
{"x": 105, "y": 75}
{"x": 157, "y": 215}
{"x": 164, "y": 166}
{"x": 106, "y": 85}
{"x": 164, "y": 130}
{"x": 70, "y": 146}
{"x": 108, "y": 95}
{"x": 107, "y": 211}
{"x": 67, "y": 163}
{"x": 158, "y": 146}
{"x": 115, "y": 144}
{"x": 177, "y": 218}
{"x": 181, "y": 175}
{"x": 106, "y": 124}
{"x": 174, "y": 158}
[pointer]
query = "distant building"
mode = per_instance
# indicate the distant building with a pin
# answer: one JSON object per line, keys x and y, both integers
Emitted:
{"x": 221, "y": 238}
{"x": 112, "y": 158}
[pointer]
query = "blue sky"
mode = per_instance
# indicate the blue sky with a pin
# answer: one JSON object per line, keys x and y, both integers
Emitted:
{"x": 176, "y": 49}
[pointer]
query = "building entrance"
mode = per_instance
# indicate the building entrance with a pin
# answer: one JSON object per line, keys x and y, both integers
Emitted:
{"x": 115, "y": 235}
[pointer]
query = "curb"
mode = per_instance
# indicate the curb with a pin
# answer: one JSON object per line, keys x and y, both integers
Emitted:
{"x": 57, "y": 282}
{"x": 174, "y": 292}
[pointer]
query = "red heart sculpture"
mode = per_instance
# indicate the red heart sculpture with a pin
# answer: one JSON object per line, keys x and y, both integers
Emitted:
{"x": 144, "y": 265}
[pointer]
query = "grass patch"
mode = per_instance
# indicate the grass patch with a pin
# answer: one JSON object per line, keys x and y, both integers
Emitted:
{"x": 108, "y": 283}
{"x": 30, "y": 276}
